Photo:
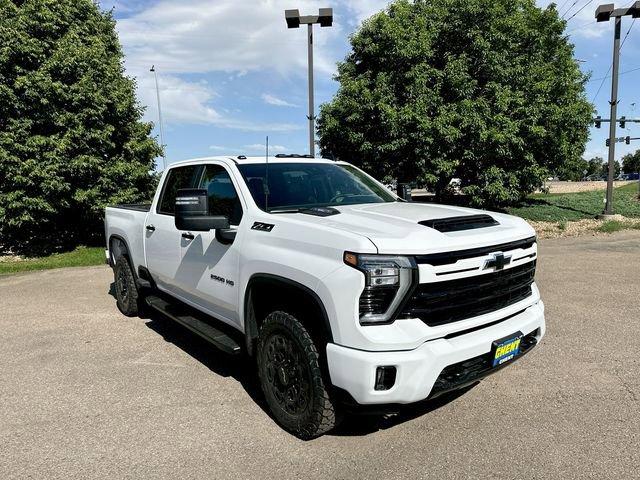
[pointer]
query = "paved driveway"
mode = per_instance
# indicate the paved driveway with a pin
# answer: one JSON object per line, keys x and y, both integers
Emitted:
{"x": 88, "y": 393}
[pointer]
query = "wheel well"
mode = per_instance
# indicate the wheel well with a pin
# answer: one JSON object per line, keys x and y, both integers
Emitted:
{"x": 117, "y": 248}
{"x": 268, "y": 293}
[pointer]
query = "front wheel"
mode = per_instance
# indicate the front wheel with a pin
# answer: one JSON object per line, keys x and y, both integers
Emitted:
{"x": 291, "y": 377}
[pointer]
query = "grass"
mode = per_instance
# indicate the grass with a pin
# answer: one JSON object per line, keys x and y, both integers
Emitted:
{"x": 611, "y": 226}
{"x": 567, "y": 207}
{"x": 80, "y": 257}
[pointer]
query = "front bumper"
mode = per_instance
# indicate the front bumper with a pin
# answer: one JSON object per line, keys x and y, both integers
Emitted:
{"x": 419, "y": 369}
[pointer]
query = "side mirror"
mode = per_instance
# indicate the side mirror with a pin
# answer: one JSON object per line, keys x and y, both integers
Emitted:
{"x": 192, "y": 212}
{"x": 404, "y": 191}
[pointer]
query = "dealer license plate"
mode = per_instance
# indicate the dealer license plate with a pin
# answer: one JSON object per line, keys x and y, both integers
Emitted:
{"x": 506, "y": 349}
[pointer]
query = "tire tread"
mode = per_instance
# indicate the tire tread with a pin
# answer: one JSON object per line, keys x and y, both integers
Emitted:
{"x": 324, "y": 416}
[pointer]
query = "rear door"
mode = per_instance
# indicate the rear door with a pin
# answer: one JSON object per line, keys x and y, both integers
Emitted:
{"x": 209, "y": 268}
{"x": 162, "y": 238}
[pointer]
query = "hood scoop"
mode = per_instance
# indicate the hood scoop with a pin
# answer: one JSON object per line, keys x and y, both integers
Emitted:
{"x": 456, "y": 224}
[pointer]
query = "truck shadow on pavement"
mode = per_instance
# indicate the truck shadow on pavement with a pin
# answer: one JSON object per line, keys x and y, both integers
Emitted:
{"x": 242, "y": 368}
{"x": 358, "y": 424}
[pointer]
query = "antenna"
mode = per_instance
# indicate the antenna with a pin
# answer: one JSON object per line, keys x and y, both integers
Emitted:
{"x": 266, "y": 174}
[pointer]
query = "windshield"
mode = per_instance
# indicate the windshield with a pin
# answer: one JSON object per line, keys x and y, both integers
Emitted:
{"x": 294, "y": 186}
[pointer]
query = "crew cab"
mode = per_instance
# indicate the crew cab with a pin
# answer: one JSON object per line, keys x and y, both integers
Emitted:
{"x": 345, "y": 294}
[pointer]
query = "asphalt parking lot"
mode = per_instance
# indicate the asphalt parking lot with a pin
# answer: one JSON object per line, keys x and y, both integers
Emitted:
{"x": 88, "y": 393}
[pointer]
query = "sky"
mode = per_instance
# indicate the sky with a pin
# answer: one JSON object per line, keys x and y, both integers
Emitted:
{"x": 230, "y": 72}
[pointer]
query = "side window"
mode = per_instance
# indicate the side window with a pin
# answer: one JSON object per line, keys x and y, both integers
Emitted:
{"x": 223, "y": 199}
{"x": 180, "y": 177}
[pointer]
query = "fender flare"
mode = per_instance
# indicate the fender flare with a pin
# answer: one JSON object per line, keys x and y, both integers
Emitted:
{"x": 250, "y": 324}
{"x": 125, "y": 254}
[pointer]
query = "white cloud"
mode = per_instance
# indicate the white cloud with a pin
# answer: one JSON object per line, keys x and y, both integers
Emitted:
{"x": 186, "y": 102}
{"x": 181, "y": 101}
{"x": 232, "y": 36}
{"x": 278, "y": 102}
{"x": 196, "y": 36}
{"x": 261, "y": 147}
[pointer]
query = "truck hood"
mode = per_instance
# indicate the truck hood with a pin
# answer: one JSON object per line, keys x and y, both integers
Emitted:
{"x": 395, "y": 228}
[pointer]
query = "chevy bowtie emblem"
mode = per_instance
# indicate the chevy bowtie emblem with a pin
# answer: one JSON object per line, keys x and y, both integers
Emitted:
{"x": 498, "y": 261}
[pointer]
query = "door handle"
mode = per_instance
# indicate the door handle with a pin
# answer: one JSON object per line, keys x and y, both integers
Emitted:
{"x": 151, "y": 228}
{"x": 188, "y": 236}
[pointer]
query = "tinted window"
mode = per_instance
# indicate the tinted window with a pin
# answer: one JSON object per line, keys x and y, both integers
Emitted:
{"x": 223, "y": 199}
{"x": 180, "y": 177}
{"x": 304, "y": 185}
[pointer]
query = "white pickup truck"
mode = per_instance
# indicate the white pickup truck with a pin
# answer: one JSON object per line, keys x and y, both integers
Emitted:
{"x": 346, "y": 294}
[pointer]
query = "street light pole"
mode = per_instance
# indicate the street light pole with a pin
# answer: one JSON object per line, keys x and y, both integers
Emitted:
{"x": 164, "y": 156}
{"x": 608, "y": 210}
{"x": 311, "y": 117}
{"x": 604, "y": 14}
{"x": 294, "y": 20}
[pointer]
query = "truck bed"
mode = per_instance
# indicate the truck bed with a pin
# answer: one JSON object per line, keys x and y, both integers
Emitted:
{"x": 126, "y": 222}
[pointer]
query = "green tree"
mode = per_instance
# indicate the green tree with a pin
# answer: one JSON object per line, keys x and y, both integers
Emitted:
{"x": 604, "y": 169}
{"x": 594, "y": 166}
{"x": 71, "y": 135}
{"x": 573, "y": 170}
{"x": 631, "y": 162}
{"x": 485, "y": 91}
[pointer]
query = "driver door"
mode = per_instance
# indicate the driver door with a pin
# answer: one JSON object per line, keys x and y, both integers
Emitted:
{"x": 209, "y": 266}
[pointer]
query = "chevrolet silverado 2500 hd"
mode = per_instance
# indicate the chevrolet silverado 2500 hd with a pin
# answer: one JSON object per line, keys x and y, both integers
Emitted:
{"x": 342, "y": 291}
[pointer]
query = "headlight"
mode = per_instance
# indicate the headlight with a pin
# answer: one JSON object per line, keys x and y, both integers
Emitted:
{"x": 388, "y": 278}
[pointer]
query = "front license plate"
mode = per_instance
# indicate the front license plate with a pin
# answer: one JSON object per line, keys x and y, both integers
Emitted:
{"x": 506, "y": 348}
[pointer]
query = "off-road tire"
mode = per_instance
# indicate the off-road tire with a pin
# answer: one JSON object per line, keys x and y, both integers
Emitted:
{"x": 125, "y": 287}
{"x": 319, "y": 413}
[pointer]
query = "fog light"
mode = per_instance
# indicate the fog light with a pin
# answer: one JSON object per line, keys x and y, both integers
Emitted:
{"x": 385, "y": 378}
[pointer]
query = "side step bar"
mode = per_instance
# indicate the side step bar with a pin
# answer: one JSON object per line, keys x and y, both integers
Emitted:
{"x": 206, "y": 331}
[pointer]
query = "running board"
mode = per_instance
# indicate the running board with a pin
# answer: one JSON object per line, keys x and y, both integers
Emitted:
{"x": 206, "y": 331}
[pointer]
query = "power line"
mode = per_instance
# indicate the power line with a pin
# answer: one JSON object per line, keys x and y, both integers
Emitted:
{"x": 570, "y": 7}
{"x": 586, "y": 24}
{"x": 563, "y": 4}
{"x": 609, "y": 76}
{"x": 621, "y": 73}
{"x": 580, "y": 9}
{"x": 579, "y": 27}
{"x": 627, "y": 34}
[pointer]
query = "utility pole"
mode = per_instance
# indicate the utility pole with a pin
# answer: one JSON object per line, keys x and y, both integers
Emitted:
{"x": 294, "y": 20}
{"x": 164, "y": 156}
{"x": 604, "y": 14}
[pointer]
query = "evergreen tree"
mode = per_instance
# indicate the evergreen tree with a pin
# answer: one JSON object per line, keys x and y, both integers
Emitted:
{"x": 71, "y": 136}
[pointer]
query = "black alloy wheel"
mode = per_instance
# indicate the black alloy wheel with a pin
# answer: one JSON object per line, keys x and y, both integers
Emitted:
{"x": 125, "y": 287}
{"x": 291, "y": 378}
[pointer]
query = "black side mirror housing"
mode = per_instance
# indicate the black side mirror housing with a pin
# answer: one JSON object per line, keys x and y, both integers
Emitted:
{"x": 192, "y": 212}
{"x": 404, "y": 191}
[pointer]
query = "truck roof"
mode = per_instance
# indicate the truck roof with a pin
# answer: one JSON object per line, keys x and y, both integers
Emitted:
{"x": 241, "y": 159}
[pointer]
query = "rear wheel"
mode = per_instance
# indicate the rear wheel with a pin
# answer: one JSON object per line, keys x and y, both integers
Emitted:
{"x": 291, "y": 377}
{"x": 126, "y": 289}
